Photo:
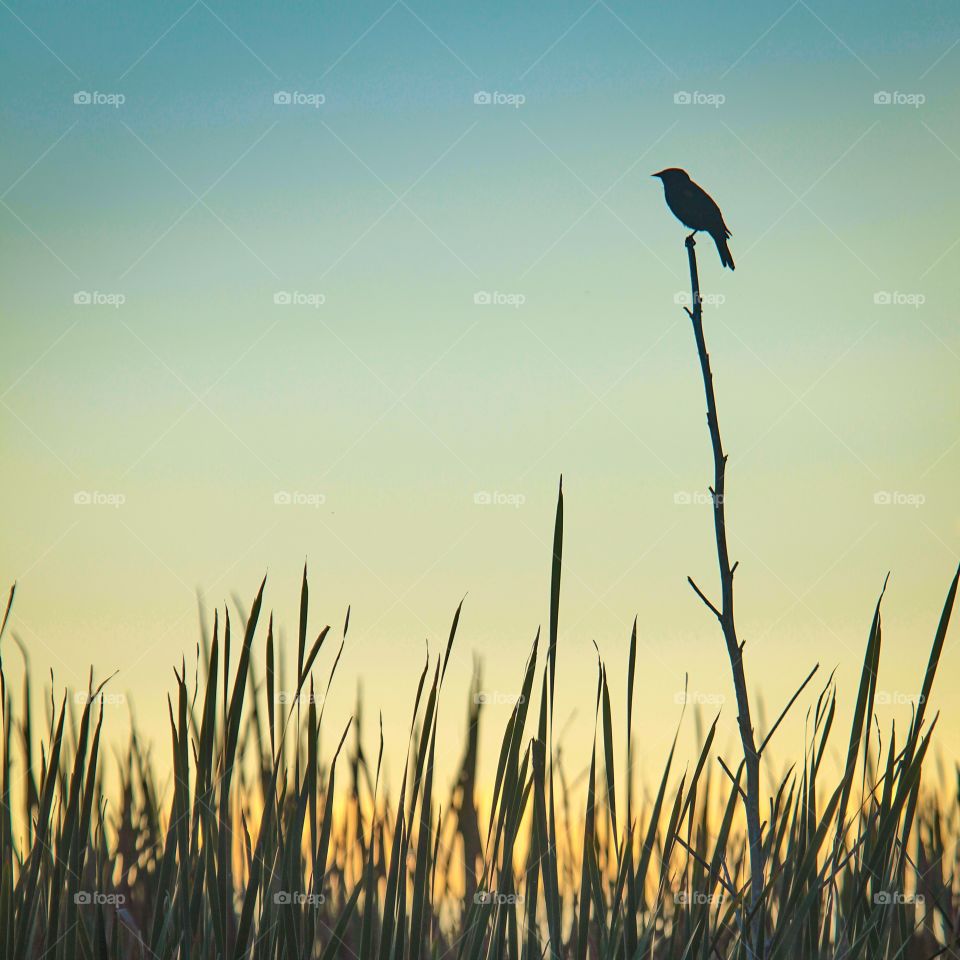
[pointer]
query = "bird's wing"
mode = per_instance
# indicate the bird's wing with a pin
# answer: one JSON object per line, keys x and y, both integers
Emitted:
{"x": 710, "y": 207}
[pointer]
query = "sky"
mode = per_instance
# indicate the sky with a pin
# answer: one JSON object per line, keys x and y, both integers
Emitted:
{"x": 356, "y": 283}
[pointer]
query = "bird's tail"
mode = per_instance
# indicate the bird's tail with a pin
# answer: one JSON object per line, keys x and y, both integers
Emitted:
{"x": 726, "y": 258}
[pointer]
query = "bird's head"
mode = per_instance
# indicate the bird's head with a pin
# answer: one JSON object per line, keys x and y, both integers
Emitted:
{"x": 672, "y": 175}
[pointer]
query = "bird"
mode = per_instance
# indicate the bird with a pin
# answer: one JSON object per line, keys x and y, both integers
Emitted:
{"x": 695, "y": 208}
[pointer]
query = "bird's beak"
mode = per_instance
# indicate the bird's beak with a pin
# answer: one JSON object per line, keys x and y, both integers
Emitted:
{"x": 657, "y": 174}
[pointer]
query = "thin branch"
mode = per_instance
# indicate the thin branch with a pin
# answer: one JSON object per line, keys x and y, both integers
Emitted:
{"x": 751, "y": 756}
{"x": 699, "y": 593}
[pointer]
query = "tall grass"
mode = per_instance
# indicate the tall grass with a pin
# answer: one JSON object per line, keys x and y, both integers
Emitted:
{"x": 265, "y": 848}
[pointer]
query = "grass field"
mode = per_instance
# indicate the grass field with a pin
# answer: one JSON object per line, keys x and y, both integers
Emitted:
{"x": 265, "y": 848}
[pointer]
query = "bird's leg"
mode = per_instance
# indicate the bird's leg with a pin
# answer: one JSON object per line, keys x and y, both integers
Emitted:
{"x": 690, "y": 241}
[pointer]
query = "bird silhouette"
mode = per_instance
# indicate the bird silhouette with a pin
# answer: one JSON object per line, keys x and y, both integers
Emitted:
{"x": 695, "y": 208}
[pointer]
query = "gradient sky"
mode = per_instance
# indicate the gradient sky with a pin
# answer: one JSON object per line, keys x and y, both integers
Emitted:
{"x": 398, "y": 399}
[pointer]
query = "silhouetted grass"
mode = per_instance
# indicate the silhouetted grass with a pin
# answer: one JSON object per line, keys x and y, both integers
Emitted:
{"x": 266, "y": 849}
